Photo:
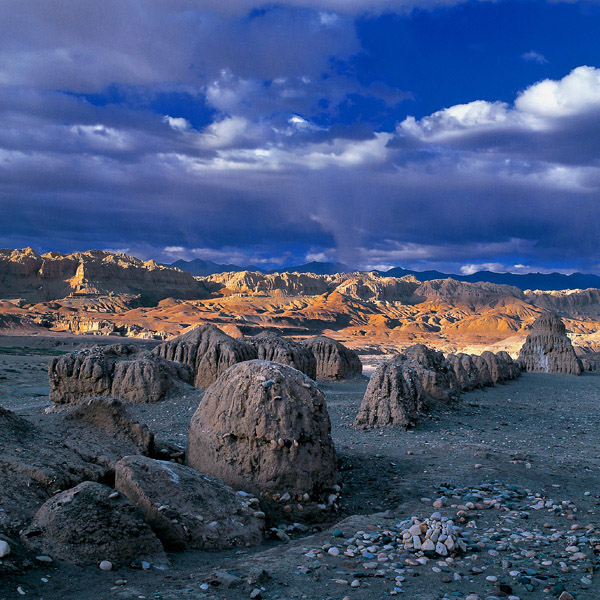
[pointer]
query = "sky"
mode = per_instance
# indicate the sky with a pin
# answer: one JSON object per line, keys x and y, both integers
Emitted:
{"x": 448, "y": 134}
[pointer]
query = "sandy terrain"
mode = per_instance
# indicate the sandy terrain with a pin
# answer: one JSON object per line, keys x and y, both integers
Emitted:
{"x": 514, "y": 447}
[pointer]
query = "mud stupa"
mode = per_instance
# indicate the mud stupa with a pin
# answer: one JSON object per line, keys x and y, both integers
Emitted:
{"x": 263, "y": 427}
{"x": 548, "y": 348}
{"x": 406, "y": 386}
{"x": 334, "y": 360}
{"x": 207, "y": 350}
{"x": 272, "y": 347}
{"x": 188, "y": 509}
{"x": 121, "y": 371}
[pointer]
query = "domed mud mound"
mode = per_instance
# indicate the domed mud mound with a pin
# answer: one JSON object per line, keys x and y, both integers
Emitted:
{"x": 263, "y": 427}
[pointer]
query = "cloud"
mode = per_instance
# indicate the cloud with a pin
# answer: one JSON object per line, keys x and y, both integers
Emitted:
{"x": 534, "y": 56}
{"x": 269, "y": 170}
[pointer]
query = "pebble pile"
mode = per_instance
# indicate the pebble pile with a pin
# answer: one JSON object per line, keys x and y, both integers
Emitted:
{"x": 528, "y": 543}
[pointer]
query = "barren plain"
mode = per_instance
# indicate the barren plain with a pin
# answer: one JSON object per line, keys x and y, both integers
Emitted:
{"x": 524, "y": 455}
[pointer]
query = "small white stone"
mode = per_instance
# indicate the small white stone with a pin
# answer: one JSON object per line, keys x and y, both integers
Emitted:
{"x": 106, "y": 565}
{"x": 4, "y": 549}
{"x": 333, "y": 551}
{"x": 441, "y": 549}
{"x": 428, "y": 546}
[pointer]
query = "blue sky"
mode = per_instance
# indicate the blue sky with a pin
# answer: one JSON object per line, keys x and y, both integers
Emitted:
{"x": 432, "y": 134}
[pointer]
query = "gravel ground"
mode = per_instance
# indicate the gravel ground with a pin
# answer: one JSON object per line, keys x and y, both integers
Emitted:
{"x": 515, "y": 466}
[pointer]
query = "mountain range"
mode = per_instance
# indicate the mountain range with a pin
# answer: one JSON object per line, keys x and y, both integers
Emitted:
{"x": 97, "y": 292}
{"x": 527, "y": 281}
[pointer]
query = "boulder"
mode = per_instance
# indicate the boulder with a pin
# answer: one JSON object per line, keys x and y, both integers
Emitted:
{"x": 207, "y": 351}
{"x": 272, "y": 347}
{"x": 59, "y": 451}
{"x": 392, "y": 397}
{"x": 263, "y": 427}
{"x": 334, "y": 360}
{"x": 91, "y": 523}
{"x": 123, "y": 371}
{"x": 548, "y": 348}
{"x": 188, "y": 509}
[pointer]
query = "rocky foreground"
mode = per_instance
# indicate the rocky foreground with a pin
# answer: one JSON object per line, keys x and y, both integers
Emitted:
{"x": 492, "y": 497}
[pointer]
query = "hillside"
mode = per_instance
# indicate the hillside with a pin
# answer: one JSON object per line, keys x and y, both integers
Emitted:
{"x": 40, "y": 278}
{"x": 103, "y": 293}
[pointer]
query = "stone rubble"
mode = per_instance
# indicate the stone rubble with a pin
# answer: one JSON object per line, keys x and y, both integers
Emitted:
{"x": 516, "y": 556}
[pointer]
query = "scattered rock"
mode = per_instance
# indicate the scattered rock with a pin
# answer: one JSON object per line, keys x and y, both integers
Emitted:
{"x": 84, "y": 526}
{"x": 271, "y": 440}
{"x": 548, "y": 348}
{"x": 207, "y": 351}
{"x": 334, "y": 360}
{"x": 4, "y": 549}
{"x": 188, "y": 509}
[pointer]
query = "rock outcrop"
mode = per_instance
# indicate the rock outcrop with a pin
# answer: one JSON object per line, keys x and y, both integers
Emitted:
{"x": 188, "y": 509}
{"x": 121, "y": 371}
{"x": 271, "y": 347}
{"x": 34, "y": 277}
{"x": 89, "y": 524}
{"x": 406, "y": 386}
{"x": 263, "y": 427}
{"x": 548, "y": 348}
{"x": 207, "y": 351}
{"x": 334, "y": 360}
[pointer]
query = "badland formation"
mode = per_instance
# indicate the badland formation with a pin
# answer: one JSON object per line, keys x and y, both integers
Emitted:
{"x": 245, "y": 434}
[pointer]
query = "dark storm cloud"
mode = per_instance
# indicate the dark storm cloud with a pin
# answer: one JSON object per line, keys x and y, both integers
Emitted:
{"x": 274, "y": 175}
